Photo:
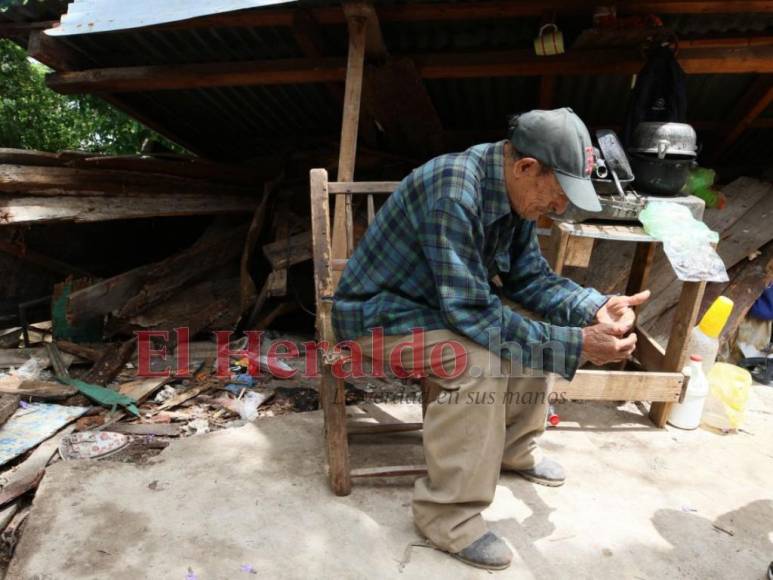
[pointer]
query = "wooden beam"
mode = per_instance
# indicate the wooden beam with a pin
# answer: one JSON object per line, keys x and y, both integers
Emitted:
{"x": 603, "y": 385}
{"x": 73, "y": 181}
{"x": 193, "y": 76}
{"x": 429, "y": 66}
{"x": 754, "y": 102}
{"x": 343, "y": 242}
{"x": 82, "y": 209}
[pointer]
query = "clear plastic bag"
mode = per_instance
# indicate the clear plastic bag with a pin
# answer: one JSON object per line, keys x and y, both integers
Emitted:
{"x": 30, "y": 370}
{"x": 687, "y": 242}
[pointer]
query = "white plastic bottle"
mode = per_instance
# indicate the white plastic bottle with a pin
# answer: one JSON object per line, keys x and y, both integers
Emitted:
{"x": 704, "y": 338}
{"x": 687, "y": 415}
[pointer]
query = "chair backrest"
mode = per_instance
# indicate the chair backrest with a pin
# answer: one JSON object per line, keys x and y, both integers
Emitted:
{"x": 327, "y": 268}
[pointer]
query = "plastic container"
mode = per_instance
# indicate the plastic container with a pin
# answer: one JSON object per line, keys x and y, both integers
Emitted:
{"x": 687, "y": 414}
{"x": 729, "y": 388}
{"x": 704, "y": 338}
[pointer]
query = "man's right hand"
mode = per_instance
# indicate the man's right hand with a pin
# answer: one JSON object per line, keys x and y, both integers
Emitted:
{"x": 600, "y": 344}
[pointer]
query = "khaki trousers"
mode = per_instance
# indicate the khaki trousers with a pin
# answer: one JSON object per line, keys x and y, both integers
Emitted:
{"x": 482, "y": 421}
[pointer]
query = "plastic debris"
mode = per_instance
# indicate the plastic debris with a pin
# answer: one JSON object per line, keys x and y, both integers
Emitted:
{"x": 247, "y": 406}
{"x": 165, "y": 394}
{"x": 103, "y": 396}
{"x": 248, "y": 568}
{"x": 191, "y": 575}
{"x": 240, "y": 381}
{"x": 687, "y": 242}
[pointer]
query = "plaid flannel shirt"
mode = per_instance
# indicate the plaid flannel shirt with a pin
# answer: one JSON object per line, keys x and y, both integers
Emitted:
{"x": 429, "y": 256}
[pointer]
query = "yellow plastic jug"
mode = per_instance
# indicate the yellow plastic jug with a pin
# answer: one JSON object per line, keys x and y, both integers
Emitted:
{"x": 729, "y": 388}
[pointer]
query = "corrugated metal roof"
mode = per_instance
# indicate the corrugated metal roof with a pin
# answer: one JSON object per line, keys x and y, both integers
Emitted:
{"x": 89, "y": 16}
{"x": 241, "y": 122}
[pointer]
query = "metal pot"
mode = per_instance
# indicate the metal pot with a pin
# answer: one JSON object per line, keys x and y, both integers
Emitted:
{"x": 664, "y": 139}
{"x": 660, "y": 176}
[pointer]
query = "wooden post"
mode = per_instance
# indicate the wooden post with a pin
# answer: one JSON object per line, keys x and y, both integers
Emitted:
{"x": 676, "y": 352}
{"x": 343, "y": 229}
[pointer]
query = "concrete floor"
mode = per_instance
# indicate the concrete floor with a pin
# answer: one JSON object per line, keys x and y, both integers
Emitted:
{"x": 640, "y": 503}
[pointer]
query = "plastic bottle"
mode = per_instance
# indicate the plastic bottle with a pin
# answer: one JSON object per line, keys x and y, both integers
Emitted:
{"x": 687, "y": 415}
{"x": 704, "y": 338}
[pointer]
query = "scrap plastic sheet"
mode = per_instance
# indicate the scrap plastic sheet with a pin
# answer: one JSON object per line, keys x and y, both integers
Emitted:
{"x": 31, "y": 424}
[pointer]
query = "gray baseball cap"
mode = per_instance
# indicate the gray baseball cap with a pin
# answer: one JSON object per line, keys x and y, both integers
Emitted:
{"x": 560, "y": 140}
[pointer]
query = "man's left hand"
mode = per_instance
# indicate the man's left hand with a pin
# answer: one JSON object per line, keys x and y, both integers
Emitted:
{"x": 618, "y": 311}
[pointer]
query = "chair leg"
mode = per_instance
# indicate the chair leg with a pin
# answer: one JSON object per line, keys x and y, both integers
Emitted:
{"x": 333, "y": 402}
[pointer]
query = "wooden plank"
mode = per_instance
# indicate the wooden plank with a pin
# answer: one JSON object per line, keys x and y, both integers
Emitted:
{"x": 247, "y": 288}
{"x": 600, "y": 385}
{"x": 8, "y": 406}
{"x": 83, "y": 209}
{"x": 285, "y": 253}
{"x": 368, "y": 187}
{"x": 676, "y": 352}
{"x": 389, "y": 471}
{"x": 734, "y": 60}
{"x": 112, "y": 362}
{"x": 588, "y": 62}
{"x": 198, "y": 76}
{"x": 578, "y": 251}
{"x": 15, "y": 357}
{"x": 12, "y": 385}
{"x": 76, "y": 181}
{"x": 141, "y": 389}
{"x": 618, "y": 232}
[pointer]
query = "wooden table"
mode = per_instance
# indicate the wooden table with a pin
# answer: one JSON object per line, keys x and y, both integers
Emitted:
{"x": 572, "y": 244}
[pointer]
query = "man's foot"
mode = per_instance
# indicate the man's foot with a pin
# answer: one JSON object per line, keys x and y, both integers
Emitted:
{"x": 546, "y": 472}
{"x": 770, "y": 571}
{"x": 489, "y": 552}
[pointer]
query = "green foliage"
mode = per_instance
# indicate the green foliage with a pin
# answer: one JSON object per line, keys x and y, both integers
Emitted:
{"x": 34, "y": 117}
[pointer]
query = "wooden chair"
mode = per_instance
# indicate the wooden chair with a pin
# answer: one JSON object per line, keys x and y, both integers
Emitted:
{"x": 327, "y": 272}
{"x": 662, "y": 388}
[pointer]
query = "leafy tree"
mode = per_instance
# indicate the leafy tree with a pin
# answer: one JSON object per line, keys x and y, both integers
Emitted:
{"x": 34, "y": 117}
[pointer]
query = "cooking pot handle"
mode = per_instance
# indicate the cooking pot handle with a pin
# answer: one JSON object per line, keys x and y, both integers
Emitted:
{"x": 662, "y": 147}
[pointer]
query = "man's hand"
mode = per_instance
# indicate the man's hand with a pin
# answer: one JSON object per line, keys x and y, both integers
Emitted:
{"x": 601, "y": 345}
{"x": 618, "y": 312}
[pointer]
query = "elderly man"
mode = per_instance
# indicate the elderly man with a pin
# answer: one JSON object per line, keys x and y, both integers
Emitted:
{"x": 431, "y": 260}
